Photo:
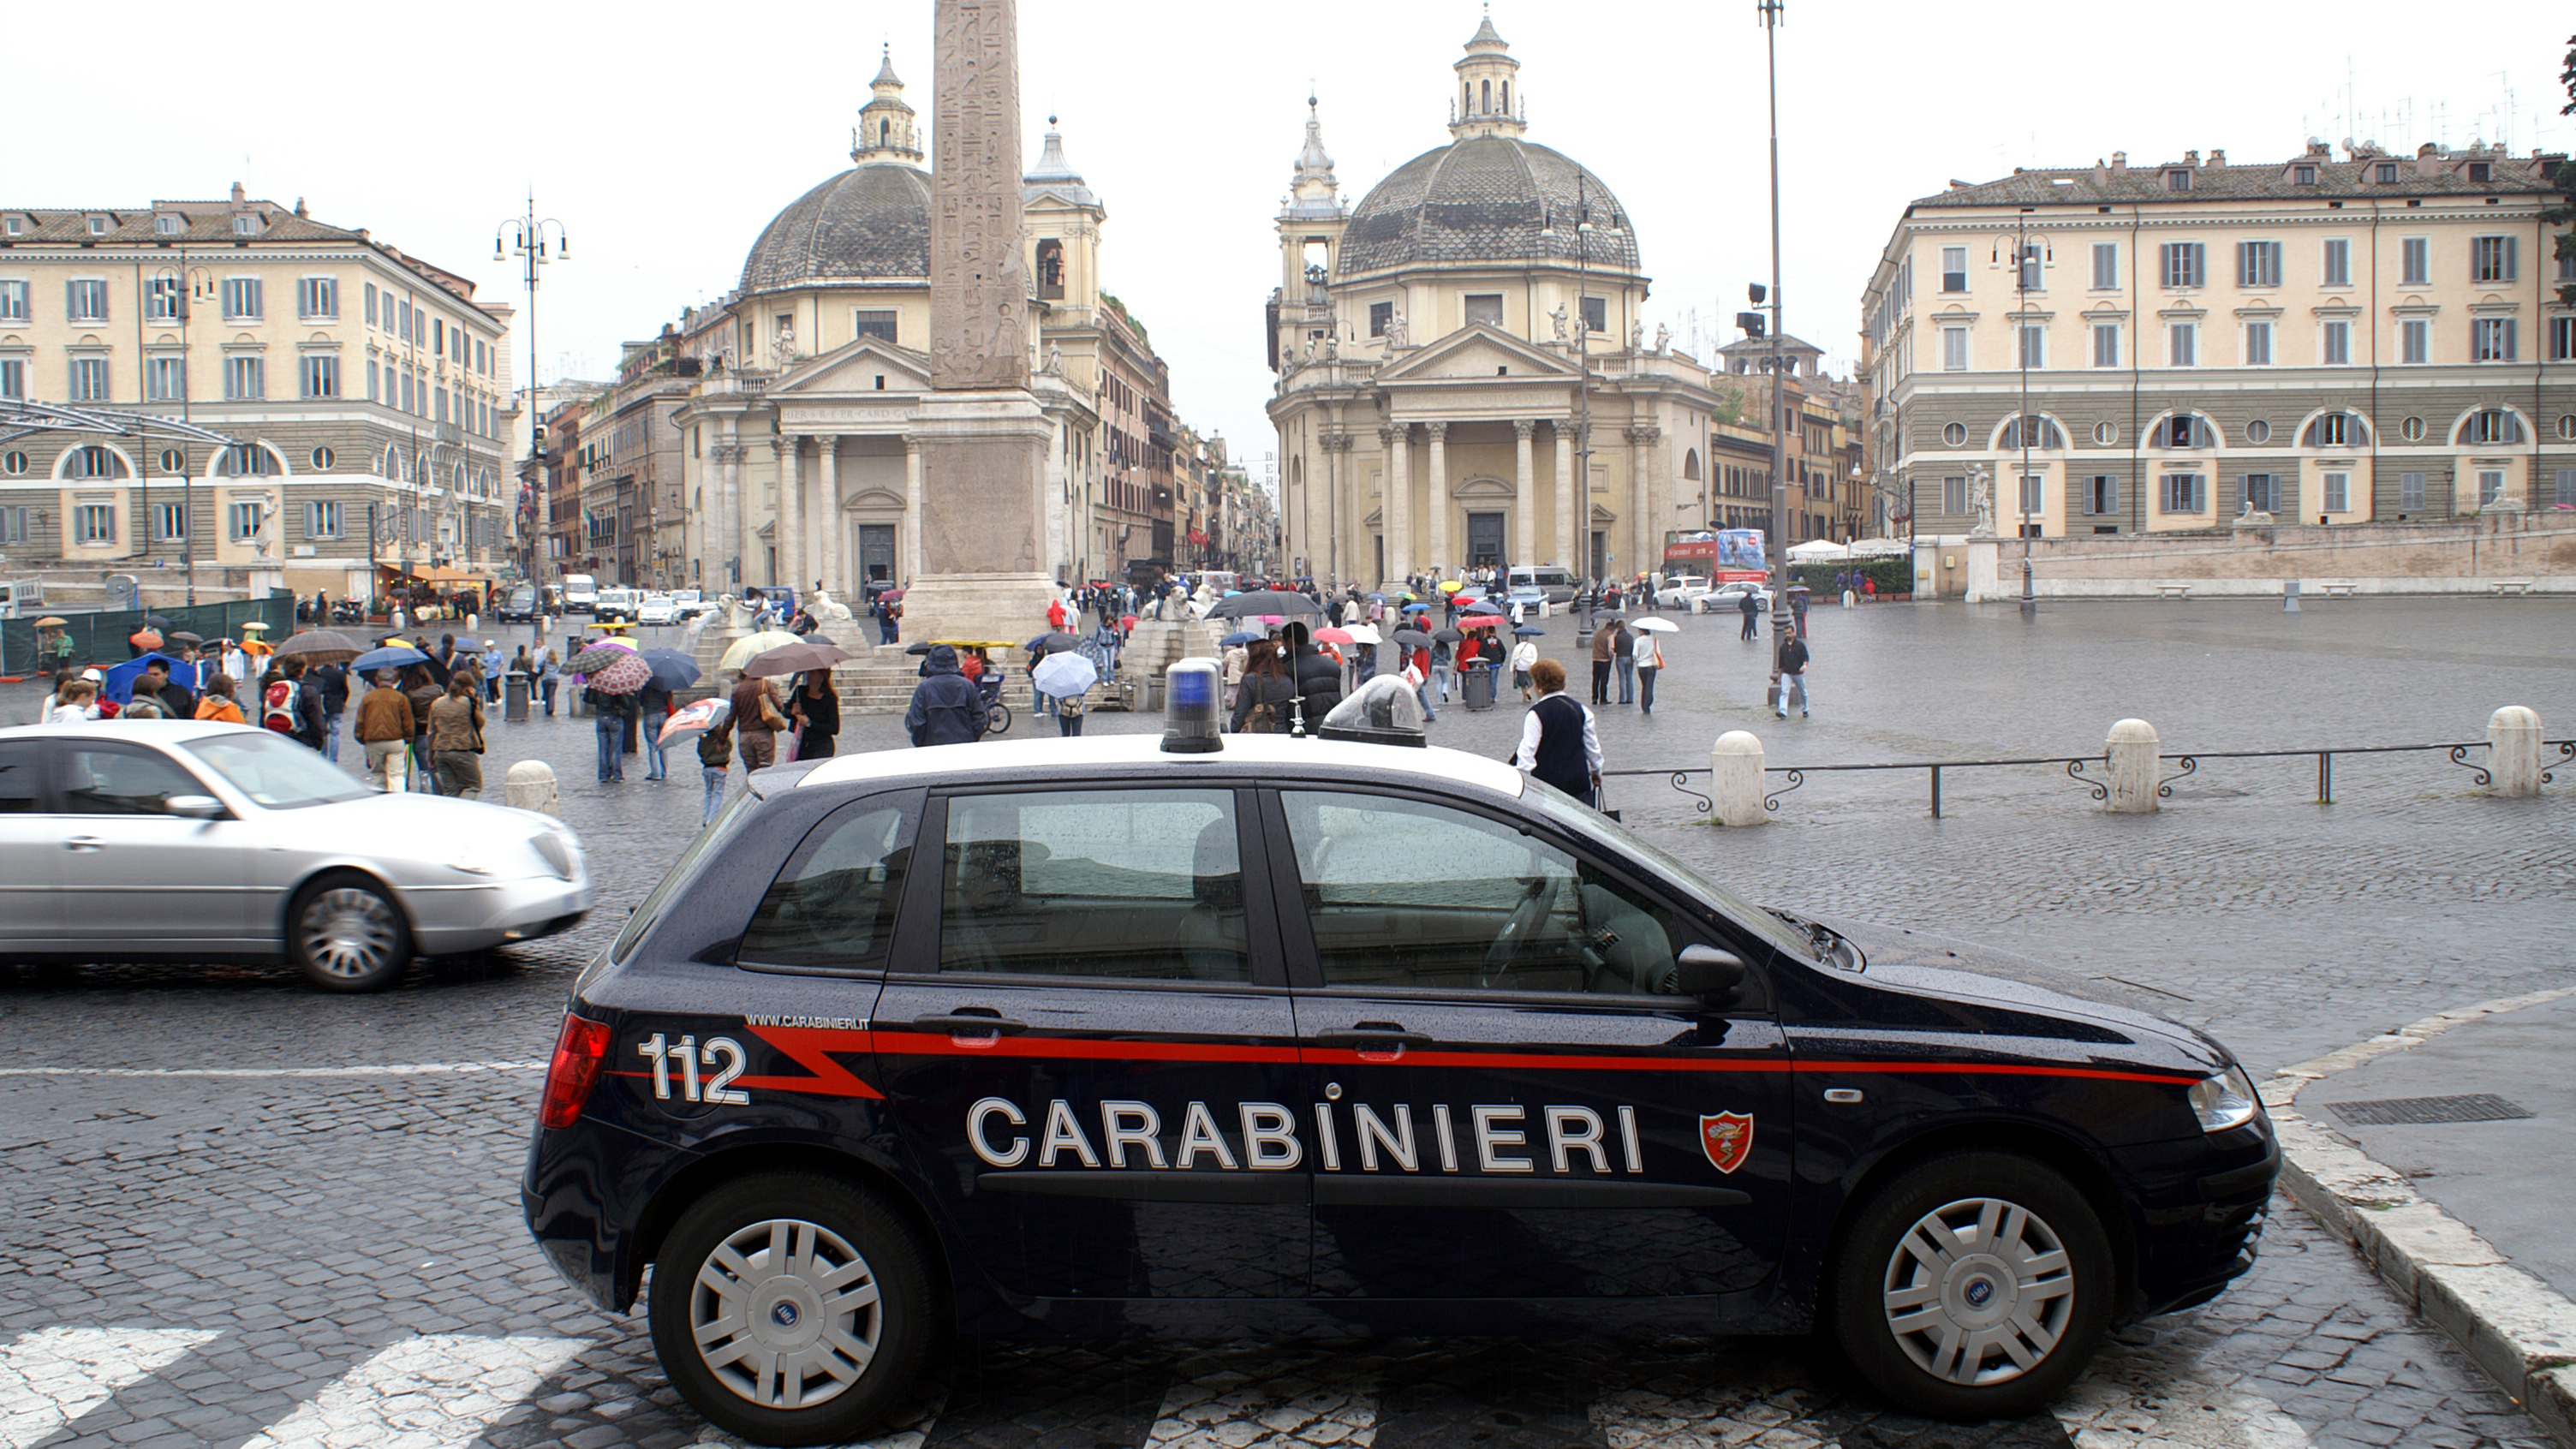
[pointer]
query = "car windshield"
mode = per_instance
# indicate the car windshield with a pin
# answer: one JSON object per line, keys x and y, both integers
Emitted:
{"x": 274, "y": 771}
{"x": 1568, "y": 811}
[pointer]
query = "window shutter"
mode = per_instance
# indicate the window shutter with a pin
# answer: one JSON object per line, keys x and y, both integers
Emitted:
{"x": 2512, "y": 245}
{"x": 2505, "y": 340}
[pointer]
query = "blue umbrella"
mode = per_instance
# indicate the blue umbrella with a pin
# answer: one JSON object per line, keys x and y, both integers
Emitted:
{"x": 1244, "y": 637}
{"x": 1527, "y": 631}
{"x": 400, "y": 656}
{"x": 119, "y": 686}
{"x": 672, "y": 670}
{"x": 1417, "y": 608}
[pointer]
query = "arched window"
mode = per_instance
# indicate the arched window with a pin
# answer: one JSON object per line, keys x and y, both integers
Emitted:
{"x": 2185, "y": 430}
{"x": 247, "y": 460}
{"x": 393, "y": 462}
{"x": 1050, "y": 270}
{"x": 2044, "y": 434}
{"x": 96, "y": 461}
{"x": 1690, "y": 466}
{"x": 2337, "y": 430}
{"x": 1487, "y": 87}
{"x": 2490, "y": 425}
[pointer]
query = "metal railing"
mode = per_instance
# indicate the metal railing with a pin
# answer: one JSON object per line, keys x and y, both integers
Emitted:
{"x": 2077, "y": 767}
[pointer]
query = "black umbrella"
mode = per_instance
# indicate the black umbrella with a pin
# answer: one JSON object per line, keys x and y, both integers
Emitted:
{"x": 1269, "y": 601}
{"x": 595, "y": 658}
{"x": 321, "y": 646}
{"x": 919, "y": 646}
{"x": 795, "y": 659}
{"x": 672, "y": 670}
{"x": 1448, "y": 636}
{"x": 155, "y": 621}
{"x": 1529, "y": 631}
{"x": 1414, "y": 638}
{"x": 182, "y": 636}
{"x": 1050, "y": 643}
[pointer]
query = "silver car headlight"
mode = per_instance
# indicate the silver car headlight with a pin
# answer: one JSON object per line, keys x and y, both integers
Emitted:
{"x": 2224, "y": 1101}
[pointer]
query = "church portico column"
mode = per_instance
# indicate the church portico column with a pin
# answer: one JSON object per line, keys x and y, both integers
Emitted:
{"x": 1644, "y": 554}
{"x": 1524, "y": 486}
{"x": 911, "y": 510}
{"x": 1439, "y": 435}
{"x": 734, "y": 563}
{"x": 1563, "y": 555}
{"x": 832, "y": 523}
{"x": 788, "y": 529}
{"x": 1395, "y": 516}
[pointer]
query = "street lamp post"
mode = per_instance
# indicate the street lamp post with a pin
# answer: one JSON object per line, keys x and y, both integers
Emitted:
{"x": 1772, "y": 13}
{"x": 2025, "y": 261}
{"x": 525, "y": 237}
{"x": 186, "y": 284}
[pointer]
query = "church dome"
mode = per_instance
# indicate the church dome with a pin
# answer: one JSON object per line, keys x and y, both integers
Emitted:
{"x": 870, "y": 223}
{"x": 1487, "y": 198}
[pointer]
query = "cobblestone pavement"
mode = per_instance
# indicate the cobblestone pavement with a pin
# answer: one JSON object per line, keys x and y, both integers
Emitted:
{"x": 243, "y": 1213}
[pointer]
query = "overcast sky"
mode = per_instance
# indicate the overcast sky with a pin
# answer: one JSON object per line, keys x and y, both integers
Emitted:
{"x": 665, "y": 136}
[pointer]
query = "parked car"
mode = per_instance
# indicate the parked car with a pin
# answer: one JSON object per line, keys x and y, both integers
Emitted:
{"x": 617, "y": 606}
{"x": 1555, "y": 584}
{"x": 197, "y": 841}
{"x": 1726, "y": 596}
{"x": 580, "y": 593}
{"x": 687, "y": 604}
{"x": 657, "y": 609}
{"x": 1679, "y": 592}
{"x": 519, "y": 606}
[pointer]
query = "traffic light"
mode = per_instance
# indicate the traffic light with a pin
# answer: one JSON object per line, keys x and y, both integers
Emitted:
{"x": 1752, "y": 324}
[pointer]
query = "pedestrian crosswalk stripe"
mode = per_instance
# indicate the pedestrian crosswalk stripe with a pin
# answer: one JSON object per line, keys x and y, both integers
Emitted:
{"x": 422, "y": 1393}
{"x": 54, "y": 1375}
{"x": 1225, "y": 1413}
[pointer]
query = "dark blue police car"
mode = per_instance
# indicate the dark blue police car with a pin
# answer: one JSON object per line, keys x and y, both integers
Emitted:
{"x": 1087, "y": 1038}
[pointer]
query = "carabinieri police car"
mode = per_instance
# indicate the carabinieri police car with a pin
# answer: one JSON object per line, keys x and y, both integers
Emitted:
{"x": 1089, "y": 1038}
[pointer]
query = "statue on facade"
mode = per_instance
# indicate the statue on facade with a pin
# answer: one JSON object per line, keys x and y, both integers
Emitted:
{"x": 1054, "y": 359}
{"x": 1982, "y": 491}
{"x": 1663, "y": 340}
{"x": 1396, "y": 332}
{"x": 1557, "y": 319}
{"x": 782, "y": 349}
{"x": 1637, "y": 335}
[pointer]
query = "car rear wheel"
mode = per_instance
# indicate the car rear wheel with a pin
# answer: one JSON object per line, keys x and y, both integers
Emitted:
{"x": 346, "y": 934}
{"x": 792, "y": 1308}
{"x": 1973, "y": 1287}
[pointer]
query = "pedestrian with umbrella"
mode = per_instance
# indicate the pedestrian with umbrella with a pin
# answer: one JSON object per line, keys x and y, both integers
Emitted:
{"x": 1066, "y": 678}
{"x": 1623, "y": 645}
{"x": 756, "y": 722}
{"x": 456, "y": 737}
{"x": 1524, "y": 654}
{"x": 384, "y": 731}
{"x": 816, "y": 710}
{"x": 1649, "y": 652}
{"x": 652, "y": 706}
{"x": 614, "y": 695}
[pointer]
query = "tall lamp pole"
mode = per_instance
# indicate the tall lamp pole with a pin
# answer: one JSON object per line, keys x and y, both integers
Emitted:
{"x": 2025, "y": 262}
{"x": 1772, "y": 14}
{"x": 526, "y": 238}
{"x": 184, "y": 284}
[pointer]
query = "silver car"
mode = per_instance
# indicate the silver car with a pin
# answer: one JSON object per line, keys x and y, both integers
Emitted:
{"x": 126, "y": 840}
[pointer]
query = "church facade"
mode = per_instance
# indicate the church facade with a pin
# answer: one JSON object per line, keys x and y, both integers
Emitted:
{"x": 1464, "y": 375}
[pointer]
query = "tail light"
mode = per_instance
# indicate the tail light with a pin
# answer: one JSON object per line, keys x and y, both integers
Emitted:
{"x": 579, "y": 1049}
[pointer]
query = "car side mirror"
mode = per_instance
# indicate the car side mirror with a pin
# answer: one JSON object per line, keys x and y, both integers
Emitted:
{"x": 195, "y": 807}
{"x": 1708, "y": 973}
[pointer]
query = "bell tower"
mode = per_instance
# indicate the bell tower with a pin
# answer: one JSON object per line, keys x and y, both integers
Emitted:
{"x": 1483, "y": 104}
{"x": 887, "y": 134}
{"x": 1310, "y": 246}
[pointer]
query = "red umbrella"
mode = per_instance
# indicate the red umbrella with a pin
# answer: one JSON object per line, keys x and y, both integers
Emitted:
{"x": 626, "y": 675}
{"x": 1481, "y": 621}
{"x": 1334, "y": 636}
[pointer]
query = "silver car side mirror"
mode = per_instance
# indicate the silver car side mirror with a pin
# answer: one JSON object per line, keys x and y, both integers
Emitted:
{"x": 195, "y": 807}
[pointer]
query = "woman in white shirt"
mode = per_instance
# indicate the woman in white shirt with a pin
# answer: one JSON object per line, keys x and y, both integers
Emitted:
{"x": 1524, "y": 654}
{"x": 1650, "y": 657}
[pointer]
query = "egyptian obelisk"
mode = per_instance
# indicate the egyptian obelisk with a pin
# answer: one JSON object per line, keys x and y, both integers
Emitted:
{"x": 984, "y": 440}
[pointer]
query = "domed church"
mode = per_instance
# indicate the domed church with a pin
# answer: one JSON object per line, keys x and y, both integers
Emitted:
{"x": 800, "y": 460}
{"x": 1440, "y": 348}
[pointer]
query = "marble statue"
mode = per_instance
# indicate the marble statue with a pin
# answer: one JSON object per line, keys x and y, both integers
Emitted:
{"x": 1982, "y": 488}
{"x": 1055, "y": 359}
{"x": 1637, "y": 335}
{"x": 1557, "y": 319}
{"x": 1395, "y": 331}
{"x": 1663, "y": 339}
{"x": 828, "y": 611}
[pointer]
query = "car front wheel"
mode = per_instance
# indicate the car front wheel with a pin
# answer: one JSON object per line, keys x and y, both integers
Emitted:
{"x": 1973, "y": 1287}
{"x": 346, "y": 934}
{"x": 792, "y": 1308}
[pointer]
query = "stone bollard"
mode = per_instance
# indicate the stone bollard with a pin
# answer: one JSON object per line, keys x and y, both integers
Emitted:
{"x": 1735, "y": 778}
{"x": 2513, "y": 752}
{"x": 1850, "y": 598}
{"x": 532, "y": 787}
{"x": 2131, "y": 753}
{"x": 2290, "y": 596}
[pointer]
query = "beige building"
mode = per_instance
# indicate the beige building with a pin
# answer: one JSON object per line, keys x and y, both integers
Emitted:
{"x": 365, "y": 387}
{"x": 1441, "y": 347}
{"x": 2323, "y": 339}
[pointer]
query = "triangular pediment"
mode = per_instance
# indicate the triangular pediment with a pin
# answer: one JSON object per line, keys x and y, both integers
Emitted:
{"x": 1476, "y": 350}
{"x": 855, "y": 367}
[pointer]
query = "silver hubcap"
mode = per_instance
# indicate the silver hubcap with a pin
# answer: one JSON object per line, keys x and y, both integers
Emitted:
{"x": 1979, "y": 1291}
{"x": 786, "y": 1314}
{"x": 350, "y": 932}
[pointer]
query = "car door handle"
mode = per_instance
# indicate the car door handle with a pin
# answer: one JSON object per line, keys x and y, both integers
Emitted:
{"x": 968, "y": 1023}
{"x": 1372, "y": 1038}
{"x": 83, "y": 842}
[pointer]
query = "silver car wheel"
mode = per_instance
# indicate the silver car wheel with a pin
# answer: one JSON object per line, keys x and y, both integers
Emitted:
{"x": 350, "y": 932}
{"x": 786, "y": 1314}
{"x": 1979, "y": 1291}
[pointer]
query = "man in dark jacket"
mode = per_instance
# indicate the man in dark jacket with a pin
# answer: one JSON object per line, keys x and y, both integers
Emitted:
{"x": 334, "y": 680}
{"x": 312, "y": 706}
{"x": 1319, "y": 682}
{"x": 947, "y": 708}
{"x": 176, "y": 700}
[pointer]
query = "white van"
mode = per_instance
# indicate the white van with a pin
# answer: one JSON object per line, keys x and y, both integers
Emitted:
{"x": 1546, "y": 581}
{"x": 581, "y": 594}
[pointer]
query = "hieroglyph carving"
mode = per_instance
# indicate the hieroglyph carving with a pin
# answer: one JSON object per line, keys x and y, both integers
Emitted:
{"x": 978, "y": 293}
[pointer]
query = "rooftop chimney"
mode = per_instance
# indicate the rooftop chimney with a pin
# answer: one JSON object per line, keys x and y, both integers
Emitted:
{"x": 2119, "y": 160}
{"x": 2217, "y": 157}
{"x": 2101, "y": 173}
{"x": 238, "y": 193}
{"x": 2191, "y": 157}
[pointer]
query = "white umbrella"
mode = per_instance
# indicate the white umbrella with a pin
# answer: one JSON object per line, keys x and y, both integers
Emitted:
{"x": 1817, "y": 549}
{"x": 1880, "y": 547}
{"x": 751, "y": 646}
{"x": 1064, "y": 674}
{"x": 1653, "y": 624}
{"x": 1362, "y": 634}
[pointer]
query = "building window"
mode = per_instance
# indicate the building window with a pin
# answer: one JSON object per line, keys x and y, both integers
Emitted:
{"x": 318, "y": 298}
{"x": 89, "y": 380}
{"x": 2338, "y": 262}
{"x": 2106, "y": 266}
{"x": 2184, "y": 430}
{"x": 2491, "y": 339}
{"x": 869, "y": 323}
{"x": 371, "y": 304}
{"x": 241, "y": 299}
{"x": 2178, "y": 179}
{"x": 2481, "y": 171}
{"x": 2385, "y": 173}
{"x": 2028, "y": 278}
{"x": 2567, "y": 426}
{"x": 95, "y": 462}
{"x": 1955, "y": 434}
{"x": 2566, "y": 489}
{"x": 2490, "y": 485}
{"x": 2303, "y": 175}
{"x": 94, "y": 524}
{"x": 2415, "y": 262}
{"x": 323, "y": 458}
{"x": 2106, "y": 433}
{"x": 1954, "y": 496}
{"x": 322, "y": 520}
{"x": 2182, "y": 345}
{"x": 1596, "y": 313}
{"x": 2414, "y": 340}
{"x": 2044, "y": 434}
{"x": 2102, "y": 495}
{"x": 2184, "y": 265}
{"x": 2412, "y": 430}
{"x": 13, "y": 524}
{"x": 2491, "y": 258}
{"x": 241, "y": 522}
{"x": 2410, "y": 492}
{"x": 246, "y": 225}
{"x": 1954, "y": 269}
{"x": 249, "y": 460}
{"x": 13, "y": 377}
{"x": 2258, "y": 431}
{"x": 322, "y": 375}
{"x": 2335, "y": 345}
{"x": 88, "y": 301}
{"x": 2258, "y": 344}
{"x": 169, "y": 522}
{"x": 2034, "y": 346}
{"x": 161, "y": 300}
{"x": 165, "y": 379}
{"x": 13, "y": 301}
{"x": 2260, "y": 492}
{"x": 14, "y": 463}
{"x": 1050, "y": 270}
{"x": 1954, "y": 349}
{"x": 173, "y": 461}
{"x": 2106, "y": 344}
{"x": 1485, "y": 307}
{"x": 2185, "y": 493}
{"x": 2258, "y": 264}
{"x": 2338, "y": 491}
{"x": 245, "y": 378}
{"x": 2491, "y": 425}
{"x": 2031, "y": 503}
{"x": 2562, "y": 338}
